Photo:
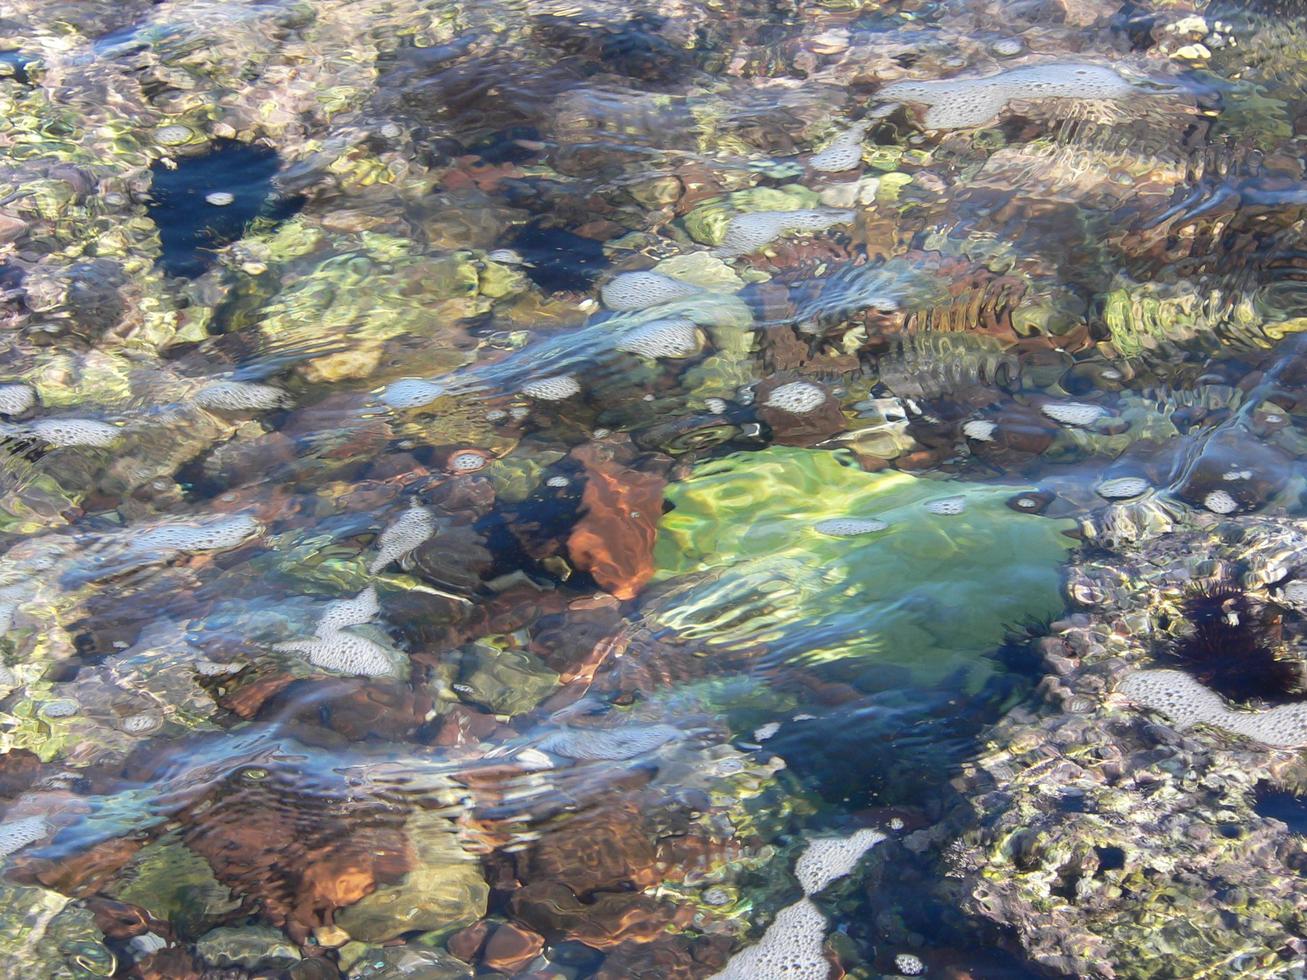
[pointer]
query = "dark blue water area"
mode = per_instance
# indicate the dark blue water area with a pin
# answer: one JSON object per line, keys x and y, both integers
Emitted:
{"x": 191, "y": 227}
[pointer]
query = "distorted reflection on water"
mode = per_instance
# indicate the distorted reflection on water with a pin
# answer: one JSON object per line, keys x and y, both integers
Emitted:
{"x": 597, "y": 489}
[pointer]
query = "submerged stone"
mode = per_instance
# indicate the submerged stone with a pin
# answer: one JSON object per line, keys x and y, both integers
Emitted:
{"x": 251, "y": 947}
{"x": 191, "y": 227}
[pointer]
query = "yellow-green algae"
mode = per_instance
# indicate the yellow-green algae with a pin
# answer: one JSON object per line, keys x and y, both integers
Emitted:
{"x": 929, "y": 593}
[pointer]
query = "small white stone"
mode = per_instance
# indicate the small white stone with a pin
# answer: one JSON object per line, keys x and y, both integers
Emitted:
{"x": 220, "y": 199}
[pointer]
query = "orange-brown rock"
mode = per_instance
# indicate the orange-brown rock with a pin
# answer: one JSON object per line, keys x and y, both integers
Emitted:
{"x": 602, "y": 848}
{"x": 467, "y": 943}
{"x": 511, "y": 948}
{"x": 614, "y": 539}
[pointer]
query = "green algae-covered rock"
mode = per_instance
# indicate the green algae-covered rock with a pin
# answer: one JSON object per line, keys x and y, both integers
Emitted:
{"x": 786, "y": 547}
{"x": 44, "y": 934}
{"x": 507, "y": 681}
{"x": 444, "y": 890}
{"x": 175, "y": 884}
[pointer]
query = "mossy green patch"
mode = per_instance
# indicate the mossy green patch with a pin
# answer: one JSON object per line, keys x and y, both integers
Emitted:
{"x": 928, "y": 593}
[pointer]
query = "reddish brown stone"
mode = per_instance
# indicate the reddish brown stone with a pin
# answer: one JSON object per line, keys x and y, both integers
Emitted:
{"x": 614, "y": 539}
{"x": 18, "y": 770}
{"x": 466, "y": 943}
{"x": 600, "y": 849}
{"x": 174, "y": 963}
{"x": 608, "y": 920}
{"x": 87, "y": 872}
{"x": 512, "y": 947}
{"x": 118, "y": 920}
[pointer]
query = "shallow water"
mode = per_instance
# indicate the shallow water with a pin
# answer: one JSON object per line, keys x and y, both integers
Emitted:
{"x": 511, "y": 489}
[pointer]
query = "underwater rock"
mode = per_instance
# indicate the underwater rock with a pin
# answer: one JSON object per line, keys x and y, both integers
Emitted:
{"x": 958, "y": 103}
{"x": 444, "y": 889}
{"x": 409, "y": 961}
{"x": 1095, "y": 847}
{"x": 253, "y": 947}
{"x": 614, "y": 538}
{"x": 510, "y": 948}
{"x": 505, "y": 681}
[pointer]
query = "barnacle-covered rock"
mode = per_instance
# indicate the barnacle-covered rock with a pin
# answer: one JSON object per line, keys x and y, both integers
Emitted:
{"x": 1131, "y": 876}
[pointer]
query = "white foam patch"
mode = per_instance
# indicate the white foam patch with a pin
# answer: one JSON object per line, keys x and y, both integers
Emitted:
{"x": 16, "y": 399}
{"x": 552, "y": 389}
{"x": 847, "y": 527}
{"x": 588, "y": 744}
{"x": 411, "y": 393}
{"x": 1220, "y": 502}
{"x": 240, "y": 396}
{"x": 828, "y": 859}
{"x": 981, "y": 430}
{"x": 1123, "y": 488}
{"x": 467, "y": 462}
{"x": 791, "y": 948}
{"x": 17, "y": 834}
{"x": 909, "y": 964}
{"x": 75, "y": 432}
{"x": 1073, "y": 413}
{"x": 344, "y": 653}
{"x": 1187, "y": 703}
{"x": 797, "y": 398}
{"x": 844, "y": 152}
{"x": 958, "y": 103}
{"x": 409, "y": 530}
{"x": 675, "y": 337}
{"x": 641, "y": 290}
{"x": 212, "y": 534}
{"x": 747, "y": 233}
{"x": 947, "y": 506}
{"x": 362, "y": 608}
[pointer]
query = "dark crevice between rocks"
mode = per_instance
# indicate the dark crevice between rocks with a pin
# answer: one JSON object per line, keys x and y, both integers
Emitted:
{"x": 191, "y": 227}
{"x": 1280, "y": 804}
